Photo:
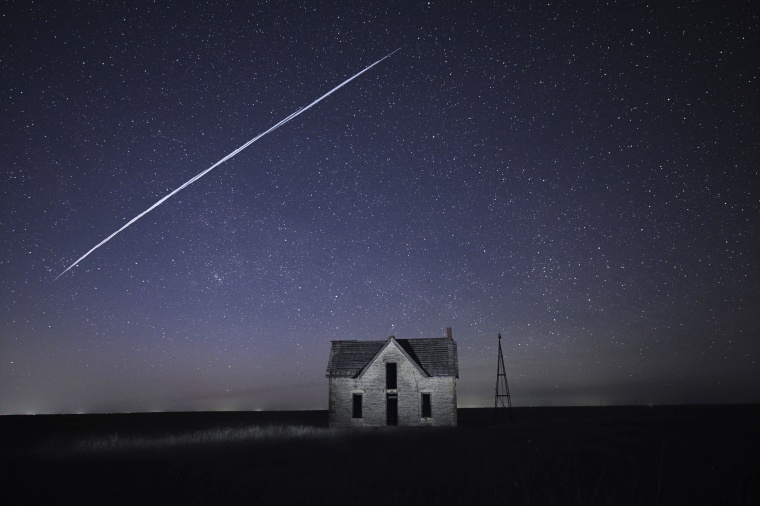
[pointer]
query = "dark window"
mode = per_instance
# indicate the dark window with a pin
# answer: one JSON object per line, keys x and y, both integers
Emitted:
{"x": 357, "y": 407}
{"x": 427, "y": 410}
{"x": 390, "y": 376}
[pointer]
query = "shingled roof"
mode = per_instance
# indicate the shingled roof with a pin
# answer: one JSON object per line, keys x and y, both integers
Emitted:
{"x": 436, "y": 357}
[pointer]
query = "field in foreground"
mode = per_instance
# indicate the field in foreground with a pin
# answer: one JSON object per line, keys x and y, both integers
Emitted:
{"x": 612, "y": 455}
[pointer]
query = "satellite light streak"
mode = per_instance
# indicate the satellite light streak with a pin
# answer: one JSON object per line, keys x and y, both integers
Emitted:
{"x": 232, "y": 154}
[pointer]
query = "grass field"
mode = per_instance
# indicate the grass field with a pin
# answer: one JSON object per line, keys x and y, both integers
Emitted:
{"x": 584, "y": 456}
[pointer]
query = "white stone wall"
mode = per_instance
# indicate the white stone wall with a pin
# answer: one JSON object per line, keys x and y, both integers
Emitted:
{"x": 411, "y": 385}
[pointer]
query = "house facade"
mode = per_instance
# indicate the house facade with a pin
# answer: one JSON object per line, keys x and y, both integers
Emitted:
{"x": 408, "y": 382}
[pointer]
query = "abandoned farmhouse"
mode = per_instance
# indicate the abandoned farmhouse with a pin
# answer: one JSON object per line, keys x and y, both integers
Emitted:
{"x": 393, "y": 382}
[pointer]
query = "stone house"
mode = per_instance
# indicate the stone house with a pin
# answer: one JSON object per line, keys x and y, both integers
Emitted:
{"x": 393, "y": 382}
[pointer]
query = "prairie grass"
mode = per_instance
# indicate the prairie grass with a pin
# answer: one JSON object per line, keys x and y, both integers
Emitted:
{"x": 204, "y": 438}
{"x": 564, "y": 456}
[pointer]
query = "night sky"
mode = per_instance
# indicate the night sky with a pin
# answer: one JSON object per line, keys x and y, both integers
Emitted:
{"x": 583, "y": 181}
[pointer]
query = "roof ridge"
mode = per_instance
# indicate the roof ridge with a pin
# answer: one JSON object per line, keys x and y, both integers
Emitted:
{"x": 435, "y": 356}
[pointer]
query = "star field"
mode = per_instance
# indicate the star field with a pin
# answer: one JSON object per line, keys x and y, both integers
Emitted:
{"x": 582, "y": 180}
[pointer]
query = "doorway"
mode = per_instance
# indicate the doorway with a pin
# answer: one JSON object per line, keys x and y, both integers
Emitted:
{"x": 391, "y": 417}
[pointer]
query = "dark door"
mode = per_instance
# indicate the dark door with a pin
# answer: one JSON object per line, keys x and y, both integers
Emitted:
{"x": 392, "y": 413}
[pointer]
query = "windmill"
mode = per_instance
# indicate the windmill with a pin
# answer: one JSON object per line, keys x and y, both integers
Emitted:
{"x": 502, "y": 399}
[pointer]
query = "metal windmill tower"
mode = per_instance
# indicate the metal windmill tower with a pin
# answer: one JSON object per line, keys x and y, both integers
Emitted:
{"x": 502, "y": 387}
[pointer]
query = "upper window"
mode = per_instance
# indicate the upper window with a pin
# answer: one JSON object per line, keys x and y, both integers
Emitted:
{"x": 390, "y": 376}
{"x": 427, "y": 408}
{"x": 357, "y": 406}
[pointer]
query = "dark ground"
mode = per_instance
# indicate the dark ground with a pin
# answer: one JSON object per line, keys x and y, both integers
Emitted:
{"x": 607, "y": 455}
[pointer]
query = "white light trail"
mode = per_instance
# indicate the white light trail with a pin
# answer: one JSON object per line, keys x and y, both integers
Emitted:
{"x": 238, "y": 150}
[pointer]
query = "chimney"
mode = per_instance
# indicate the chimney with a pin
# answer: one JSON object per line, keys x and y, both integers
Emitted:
{"x": 448, "y": 334}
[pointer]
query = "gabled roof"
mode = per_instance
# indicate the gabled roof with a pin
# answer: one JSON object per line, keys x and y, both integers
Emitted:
{"x": 436, "y": 357}
{"x": 392, "y": 342}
